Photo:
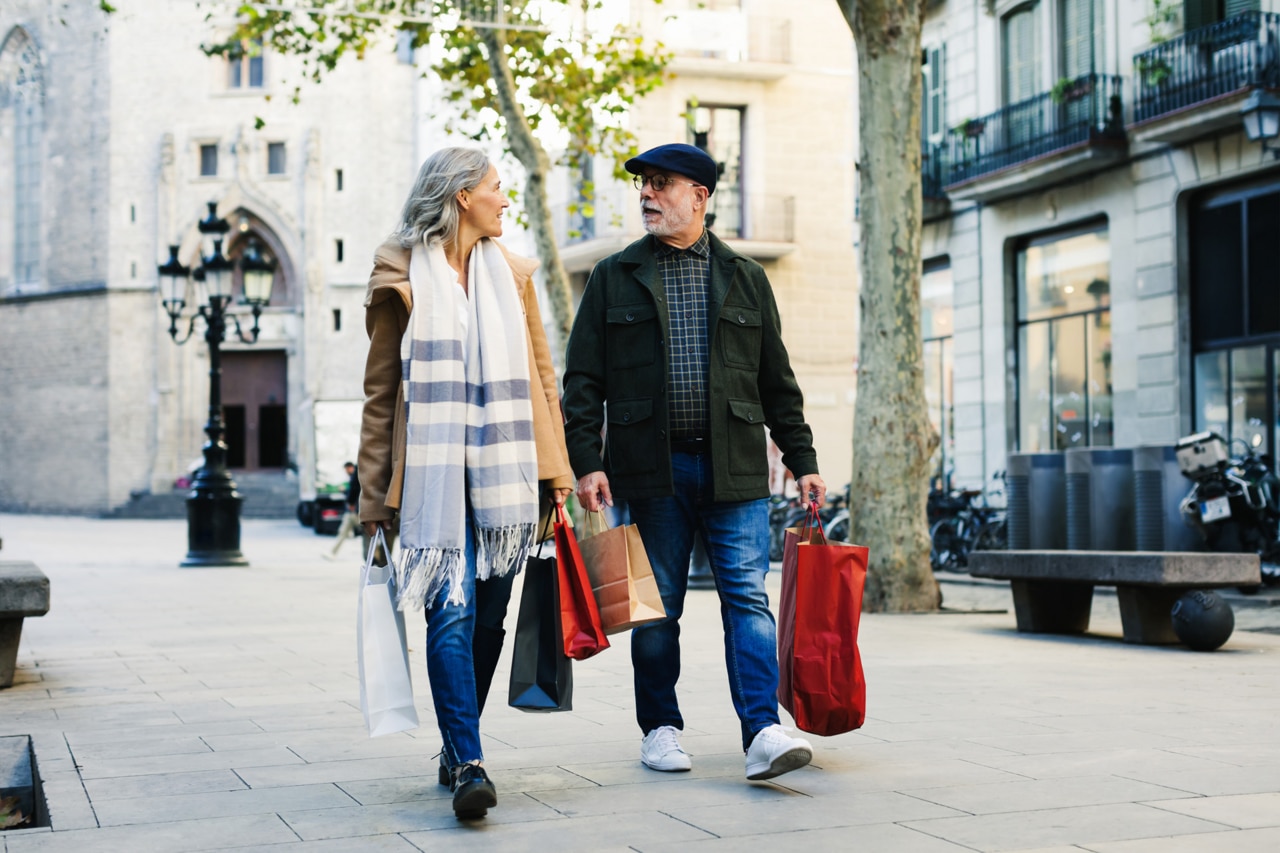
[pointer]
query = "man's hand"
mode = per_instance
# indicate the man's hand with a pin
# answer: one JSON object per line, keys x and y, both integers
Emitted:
{"x": 593, "y": 491}
{"x": 812, "y": 489}
{"x": 371, "y": 527}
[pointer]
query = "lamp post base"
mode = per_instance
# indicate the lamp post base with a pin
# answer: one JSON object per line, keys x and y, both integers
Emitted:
{"x": 213, "y": 530}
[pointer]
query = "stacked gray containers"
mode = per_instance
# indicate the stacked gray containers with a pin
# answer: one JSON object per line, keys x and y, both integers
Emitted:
{"x": 1037, "y": 501}
{"x": 1158, "y": 489}
{"x": 1099, "y": 499}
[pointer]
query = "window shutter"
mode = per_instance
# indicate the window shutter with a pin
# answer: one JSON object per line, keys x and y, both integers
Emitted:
{"x": 1020, "y": 55}
{"x": 1236, "y": 7}
{"x": 933, "y": 95}
{"x": 1077, "y": 38}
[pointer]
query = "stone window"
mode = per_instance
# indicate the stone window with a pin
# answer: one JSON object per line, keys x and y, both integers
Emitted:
{"x": 244, "y": 68}
{"x": 276, "y": 162}
{"x": 719, "y": 132}
{"x": 209, "y": 160}
{"x": 21, "y": 161}
{"x": 1064, "y": 340}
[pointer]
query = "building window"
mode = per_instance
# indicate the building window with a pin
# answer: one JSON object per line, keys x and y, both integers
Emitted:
{"x": 933, "y": 118}
{"x": 938, "y": 328}
{"x": 209, "y": 160}
{"x": 337, "y": 182}
{"x": 1021, "y": 41}
{"x": 1202, "y": 13}
{"x": 1235, "y": 315}
{"x": 244, "y": 67}
{"x": 21, "y": 159}
{"x": 1064, "y": 340}
{"x": 275, "y": 158}
{"x": 339, "y": 250}
{"x": 719, "y": 132}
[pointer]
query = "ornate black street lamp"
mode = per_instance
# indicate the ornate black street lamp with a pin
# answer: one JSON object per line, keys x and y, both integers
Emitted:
{"x": 213, "y": 507}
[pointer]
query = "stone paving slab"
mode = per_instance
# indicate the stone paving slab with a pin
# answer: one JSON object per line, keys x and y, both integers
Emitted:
{"x": 199, "y": 709}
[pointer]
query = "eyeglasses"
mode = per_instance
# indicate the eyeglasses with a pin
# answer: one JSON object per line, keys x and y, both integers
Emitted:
{"x": 658, "y": 182}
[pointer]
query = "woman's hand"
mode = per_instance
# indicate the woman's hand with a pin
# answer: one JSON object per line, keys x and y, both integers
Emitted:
{"x": 559, "y": 496}
{"x": 371, "y": 527}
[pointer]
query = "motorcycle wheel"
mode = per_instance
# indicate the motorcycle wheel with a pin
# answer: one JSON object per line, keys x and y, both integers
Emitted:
{"x": 944, "y": 549}
{"x": 838, "y": 531}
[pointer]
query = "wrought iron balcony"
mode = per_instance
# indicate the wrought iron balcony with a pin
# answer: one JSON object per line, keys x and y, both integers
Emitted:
{"x": 1207, "y": 64}
{"x": 1075, "y": 114}
{"x": 934, "y": 203}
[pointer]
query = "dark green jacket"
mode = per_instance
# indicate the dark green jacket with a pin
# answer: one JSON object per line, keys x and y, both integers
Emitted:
{"x": 617, "y": 354}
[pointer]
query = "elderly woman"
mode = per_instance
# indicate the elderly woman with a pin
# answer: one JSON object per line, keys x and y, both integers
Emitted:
{"x": 461, "y": 428}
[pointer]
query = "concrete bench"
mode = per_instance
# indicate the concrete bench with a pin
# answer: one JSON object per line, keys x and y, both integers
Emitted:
{"x": 1053, "y": 590}
{"x": 24, "y": 591}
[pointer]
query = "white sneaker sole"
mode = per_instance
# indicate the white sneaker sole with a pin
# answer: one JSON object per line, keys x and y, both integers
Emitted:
{"x": 678, "y": 767}
{"x": 792, "y": 759}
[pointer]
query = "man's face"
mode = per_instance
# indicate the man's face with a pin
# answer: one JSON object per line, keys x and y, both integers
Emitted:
{"x": 670, "y": 211}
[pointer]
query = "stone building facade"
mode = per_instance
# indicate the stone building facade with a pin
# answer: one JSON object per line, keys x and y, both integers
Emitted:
{"x": 115, "y": 132}
{"x": 1099, "y": 226}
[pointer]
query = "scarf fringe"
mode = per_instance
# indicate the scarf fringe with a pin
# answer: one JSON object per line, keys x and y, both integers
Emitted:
{"x": 502, "y": 550}
{"x": 423, "y": 572}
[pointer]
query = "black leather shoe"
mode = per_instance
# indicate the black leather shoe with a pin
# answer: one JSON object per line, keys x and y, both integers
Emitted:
{"x": 473, "y": 793}
{"x": 446, "y": 778}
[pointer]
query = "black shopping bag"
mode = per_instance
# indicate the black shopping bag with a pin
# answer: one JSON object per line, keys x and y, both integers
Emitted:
{"x": 541, "y": 675}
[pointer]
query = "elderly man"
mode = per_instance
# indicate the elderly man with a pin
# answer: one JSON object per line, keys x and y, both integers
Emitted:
{"x": 678, "y": 345}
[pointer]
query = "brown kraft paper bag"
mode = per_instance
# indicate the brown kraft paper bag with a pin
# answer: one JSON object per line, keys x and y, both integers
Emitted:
{"x": 621, "y": 577}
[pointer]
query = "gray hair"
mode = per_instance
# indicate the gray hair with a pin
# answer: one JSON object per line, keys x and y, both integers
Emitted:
{"x": 431, "y": 211}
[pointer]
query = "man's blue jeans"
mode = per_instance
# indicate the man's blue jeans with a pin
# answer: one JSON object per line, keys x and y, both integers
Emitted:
{"x": 450, "y": 667}
{"x": 737, "y": 539}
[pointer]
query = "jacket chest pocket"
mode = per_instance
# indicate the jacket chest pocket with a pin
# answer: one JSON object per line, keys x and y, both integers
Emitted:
{"x": 740, "y": 335}
{"x": 632, "y": 335}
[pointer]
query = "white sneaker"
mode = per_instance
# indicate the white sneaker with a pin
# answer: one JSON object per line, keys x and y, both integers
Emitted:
{"x": 661, "y": 751}
{"x": 774, "y": 752}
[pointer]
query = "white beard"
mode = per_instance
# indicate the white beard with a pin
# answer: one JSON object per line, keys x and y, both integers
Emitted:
{"x": 675, "y": 218}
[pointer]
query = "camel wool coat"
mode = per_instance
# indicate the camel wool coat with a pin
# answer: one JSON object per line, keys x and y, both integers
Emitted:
{"x": 388, "y": 302}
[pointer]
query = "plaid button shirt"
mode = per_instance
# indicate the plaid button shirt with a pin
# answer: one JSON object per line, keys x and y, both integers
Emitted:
{"x": 686, "y": 276}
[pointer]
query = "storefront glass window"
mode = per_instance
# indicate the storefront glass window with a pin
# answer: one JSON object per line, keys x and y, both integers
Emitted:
{"x": 1064, "y": 341}
{"x": 936, "y": 314}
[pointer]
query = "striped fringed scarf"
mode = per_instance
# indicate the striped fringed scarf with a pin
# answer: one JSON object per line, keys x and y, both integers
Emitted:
{"x": 470, "y": 427}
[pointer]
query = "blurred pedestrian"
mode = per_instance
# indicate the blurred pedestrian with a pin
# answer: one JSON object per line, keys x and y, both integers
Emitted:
{"x": 350, "y": 525}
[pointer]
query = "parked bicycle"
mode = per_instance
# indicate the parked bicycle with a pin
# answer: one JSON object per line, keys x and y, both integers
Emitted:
{"x": 787, "y": 512}
{"x": 962, "y": 521}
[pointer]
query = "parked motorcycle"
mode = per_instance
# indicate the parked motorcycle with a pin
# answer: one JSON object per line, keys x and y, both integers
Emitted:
{"x": 1234, "y": 501}
{"x": 962, "y": 521}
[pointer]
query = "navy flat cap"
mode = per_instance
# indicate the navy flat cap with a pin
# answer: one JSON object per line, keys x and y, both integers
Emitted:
{"x": 693, "y": 163}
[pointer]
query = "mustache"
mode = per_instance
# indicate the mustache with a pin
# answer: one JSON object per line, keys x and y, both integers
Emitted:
{"x": 648, "y": 208}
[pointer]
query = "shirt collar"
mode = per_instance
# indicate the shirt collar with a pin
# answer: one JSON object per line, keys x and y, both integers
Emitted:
{"x": 701, "y": 247}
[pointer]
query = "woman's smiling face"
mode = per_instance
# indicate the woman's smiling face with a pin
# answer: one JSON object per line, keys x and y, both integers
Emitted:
{"x": 485, "y": 205}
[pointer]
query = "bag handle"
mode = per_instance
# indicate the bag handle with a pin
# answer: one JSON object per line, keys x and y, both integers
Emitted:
{"x": 378, "y": 538}
{"x": 600, "y": 520}
{"x": 542, "y": 534}
{"x": 813, "y": 520}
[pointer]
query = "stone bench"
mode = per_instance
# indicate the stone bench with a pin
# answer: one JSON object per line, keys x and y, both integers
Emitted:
{"x": 24, "y": 591}
{"x": 1053, "y": 590}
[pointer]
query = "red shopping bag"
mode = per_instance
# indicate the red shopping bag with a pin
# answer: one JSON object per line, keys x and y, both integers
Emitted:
{"x": 820, "y": 680}
{"x": 579, "y": 615}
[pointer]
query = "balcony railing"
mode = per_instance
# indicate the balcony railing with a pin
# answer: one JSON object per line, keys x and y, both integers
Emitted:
{"x": 759, "y": 217}
{"x": 932, "y": 171}
{"x": 1076, "y": 112}
{"x": 1207, "y": 63}
{"x": 728, "y": 36}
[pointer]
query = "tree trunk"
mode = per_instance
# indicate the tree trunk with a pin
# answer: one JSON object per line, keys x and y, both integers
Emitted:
{"x": 893, "y": 438}
{"x": 537, "y": 166}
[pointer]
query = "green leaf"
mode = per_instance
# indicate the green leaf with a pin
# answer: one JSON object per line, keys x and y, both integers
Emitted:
{"x": 106, "y": 7}
{"x": 258, "y": 123}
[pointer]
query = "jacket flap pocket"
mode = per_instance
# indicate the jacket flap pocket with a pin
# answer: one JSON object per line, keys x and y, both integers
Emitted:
{"x": 624, "y": 314}
{"x": 747, "y": 410}
{"x": 740, "y": 316}
{"x": 630, "y": 411}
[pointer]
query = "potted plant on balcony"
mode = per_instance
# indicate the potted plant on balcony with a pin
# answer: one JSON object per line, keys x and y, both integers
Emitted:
{"x": 1069, "y": 89}
{"x": 1153, "y": 70}
{"x": 971, "y": 127}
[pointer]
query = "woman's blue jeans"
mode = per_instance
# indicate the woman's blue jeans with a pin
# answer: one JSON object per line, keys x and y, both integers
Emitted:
{"x": 737, "y": 538}
{"x": 450, "y": 667}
